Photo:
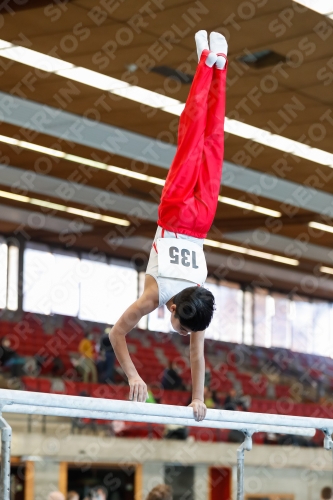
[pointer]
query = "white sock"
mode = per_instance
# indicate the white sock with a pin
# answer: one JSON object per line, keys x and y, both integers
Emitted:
{"x": 202, "y": 44}
{"x": 201, "y": 41}
{"x": 218, "y": 44}
{"x": 211, "y": 59}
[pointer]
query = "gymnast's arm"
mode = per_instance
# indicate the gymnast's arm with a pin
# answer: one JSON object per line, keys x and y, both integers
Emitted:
{"x": 147, "y": 303}
{"x": 198, "y": 374}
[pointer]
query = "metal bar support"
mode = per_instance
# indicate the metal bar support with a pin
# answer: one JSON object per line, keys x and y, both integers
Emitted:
{"x": 246, "y": 445}
{"x": 6, "y": 440}
{"x": 328, "y": 443}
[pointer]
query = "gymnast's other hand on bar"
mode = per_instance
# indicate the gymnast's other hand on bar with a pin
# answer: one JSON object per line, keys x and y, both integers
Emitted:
{"x": 199, "y": 409}
{"x": 138, "y": 389}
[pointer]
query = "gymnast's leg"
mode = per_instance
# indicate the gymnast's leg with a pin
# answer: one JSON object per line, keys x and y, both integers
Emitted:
{"x": 176, "y": 210}
{"x": 210, "y": 171}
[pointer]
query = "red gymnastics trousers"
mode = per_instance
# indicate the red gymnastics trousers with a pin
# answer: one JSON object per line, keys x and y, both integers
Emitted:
{"x": 190, "y": 194}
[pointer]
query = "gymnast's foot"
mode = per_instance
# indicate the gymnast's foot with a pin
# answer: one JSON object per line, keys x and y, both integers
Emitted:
{"x": 201, "y": 41}
{"x": 218, "y": 44}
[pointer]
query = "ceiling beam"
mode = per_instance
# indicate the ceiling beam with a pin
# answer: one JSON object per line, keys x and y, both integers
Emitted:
{"x": 14, "y": 6}
{"x": 244, "y": 223}
{"x": 35, "y": 221}
{"x": 67, "y": 192}
{"x": 289, "y": 247}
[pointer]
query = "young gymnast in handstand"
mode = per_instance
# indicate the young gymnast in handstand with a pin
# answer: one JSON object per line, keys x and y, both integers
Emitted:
{"x": 177, "y": 269}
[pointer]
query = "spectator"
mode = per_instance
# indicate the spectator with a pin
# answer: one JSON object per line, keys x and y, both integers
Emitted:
{"x": 99, "y": 493}
{"x": 39, "y": 363}
{"x": 6, "y": 353}
{"x": 171, "y": 379}
{"x": 56, "y": 495}
{"x": 150, "y": 398}
{"x": 79, "y": 423}
{"x": 86, "y": 366}
{"x": 235, "y": 436}
{"x": 75, "y": 361}
{"x": 208, "y": 398}
{"x": 57, "y": 367}
{"x": 105, "y": 365}
{"x": 10, "y": 359}
{"x": 86, "y": 346}
{"x": 173, "y": 431}
{"x": 232, "y": 402}
{"x": 208, "y": 377}
{"x": 326, "y": 493}
{"x": 216, "y": 396}
{"x": 160, "y": 492}
{"x": 72, "y": 495}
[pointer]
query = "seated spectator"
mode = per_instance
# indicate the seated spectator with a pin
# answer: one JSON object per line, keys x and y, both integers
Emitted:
{"x": 75, "y": 364}
{"x": 39, "y": 363}
{"x": 106, "y": 361}
{"x": 235, "y": 436}
{"x": 151, "y": 398}
{"x": 160, "y": 492}
{"x": 208, "y": 398}
{"x": 230, "y": 402}
{"x": 57, "y": 367}
{"x": 56, "y": 495}
{"x": 326, "y": 493}
{"x": 86, "y": 366}
{"x": 208, "y": 377}
{"x": 10, "y": 359}
{"x": 6, "y": 352}
{"x": 233, "y": 403}
{"x": 80, "y": 424}
{"x": 99, "y": 493}
{"x": 72, "y": 495}
{"x": 216, "y": 396}
{"x": 173, "y": 431}
{"x": 171, "y": 379}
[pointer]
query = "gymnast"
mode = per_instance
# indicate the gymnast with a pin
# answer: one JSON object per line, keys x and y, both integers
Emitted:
{"x": 177, "y": 268}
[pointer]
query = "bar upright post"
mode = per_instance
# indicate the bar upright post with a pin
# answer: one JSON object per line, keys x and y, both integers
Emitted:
{"x": 246, "y": 445}
{"x": 6, "y": 439}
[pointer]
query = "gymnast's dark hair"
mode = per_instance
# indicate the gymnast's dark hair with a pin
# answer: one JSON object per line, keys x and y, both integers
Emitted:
{"x": 194, "y": 308}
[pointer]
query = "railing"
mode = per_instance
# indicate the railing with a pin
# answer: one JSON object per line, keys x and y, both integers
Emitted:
{"x": 36, "y": 403}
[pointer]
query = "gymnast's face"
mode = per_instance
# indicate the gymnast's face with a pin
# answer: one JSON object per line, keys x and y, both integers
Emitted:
{"x": 182, "y": 330}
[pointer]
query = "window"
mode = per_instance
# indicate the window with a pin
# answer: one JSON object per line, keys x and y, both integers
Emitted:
{"x": 302, "y": 325}
{"x": 321, "y": 333}
{"x": 143, "y": 323}
{"x": 50, "y": 281}
{"x": 214, "y": 331}
{"x": 38, "y": 267}
{"x": 106, "y": 290}
{"x": 248, "y": 317}
{"x": 159, "y": 320}
{"x": 65, "y": 286}
{"x": 94, "y": 290}
{"x": 122, "y": 288}
{"x": 3, "y": 273}
{"x": 227, "y": 322}
{"x": 263, "y": 312}
{"x": 61, "y": 283}
{"x": 281, "y": 324}
{"x": 13, "y": 265}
